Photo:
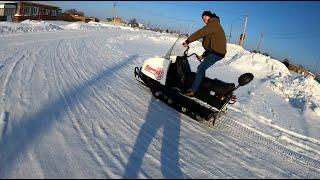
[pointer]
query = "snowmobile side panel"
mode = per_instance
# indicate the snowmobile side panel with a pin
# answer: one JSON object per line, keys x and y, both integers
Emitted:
{"x": 156, "y": 68}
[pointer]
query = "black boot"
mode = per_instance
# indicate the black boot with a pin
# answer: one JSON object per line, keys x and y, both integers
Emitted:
{"x": 190, "y": 93}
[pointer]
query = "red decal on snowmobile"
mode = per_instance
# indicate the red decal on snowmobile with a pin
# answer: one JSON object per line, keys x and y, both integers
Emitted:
{"x": 158, "y": 73}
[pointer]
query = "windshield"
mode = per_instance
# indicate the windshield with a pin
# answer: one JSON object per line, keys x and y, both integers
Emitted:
{"x": 177, "y": 48}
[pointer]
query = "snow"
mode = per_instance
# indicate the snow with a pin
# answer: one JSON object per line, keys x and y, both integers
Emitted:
{"x": 27, "y": 26}
{"x": 71, "y": 108}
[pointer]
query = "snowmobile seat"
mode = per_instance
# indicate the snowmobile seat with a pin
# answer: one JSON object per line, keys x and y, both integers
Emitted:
{"x": 215, "y": 85}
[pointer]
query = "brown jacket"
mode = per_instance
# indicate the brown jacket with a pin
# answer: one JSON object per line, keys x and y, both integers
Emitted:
{"x": 214, "y": 38}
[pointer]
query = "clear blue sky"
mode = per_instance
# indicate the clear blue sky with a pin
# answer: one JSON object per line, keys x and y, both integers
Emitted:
{"x": 291, "y": 29}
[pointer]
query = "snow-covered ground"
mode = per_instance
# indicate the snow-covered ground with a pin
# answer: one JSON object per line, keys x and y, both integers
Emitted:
{"x": 71, "y": 108}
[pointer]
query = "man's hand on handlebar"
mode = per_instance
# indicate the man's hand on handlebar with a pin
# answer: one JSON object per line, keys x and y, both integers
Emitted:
{"x": 199, "y": 57}
{"x": 185, "y": 44}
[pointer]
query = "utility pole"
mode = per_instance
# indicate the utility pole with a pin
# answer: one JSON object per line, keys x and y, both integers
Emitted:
{"x": 190, "y": 27}
{"x": 259, "y": 41}
{"x": 114, "y": 12}
{"x": 230, "y": 34}
{"x": 243, "y": 35}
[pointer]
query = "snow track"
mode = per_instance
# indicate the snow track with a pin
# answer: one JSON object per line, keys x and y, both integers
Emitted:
{"x": 230, "y": 126}
{"x": 72, "y": 108}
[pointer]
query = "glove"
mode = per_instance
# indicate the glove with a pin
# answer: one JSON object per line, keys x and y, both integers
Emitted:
{"x": 199, "y": 57}
{"x": 185, "y": 44}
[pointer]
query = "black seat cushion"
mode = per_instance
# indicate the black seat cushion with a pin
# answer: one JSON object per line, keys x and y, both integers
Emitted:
{"x": 207, "y": 84}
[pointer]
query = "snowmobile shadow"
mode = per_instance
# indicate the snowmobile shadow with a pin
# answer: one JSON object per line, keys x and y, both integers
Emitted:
{"x": 16, "y": 141}
{"x": 155, "y": 120}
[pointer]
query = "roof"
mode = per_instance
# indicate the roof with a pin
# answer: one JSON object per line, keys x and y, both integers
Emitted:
{"x": 48, "y": 3}
{"x": 4, "y": 2}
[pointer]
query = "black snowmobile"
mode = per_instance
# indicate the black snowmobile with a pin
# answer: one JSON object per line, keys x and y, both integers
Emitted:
{"x": 169, "y": 77}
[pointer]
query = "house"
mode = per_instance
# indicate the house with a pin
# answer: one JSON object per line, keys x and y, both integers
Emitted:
{"x": 22, "y": 10}
{"x": 118, "y": 21}
{"x": 7, "y": 9}
{"x": 75, "y": 17}
{"x": 298, "y": 69}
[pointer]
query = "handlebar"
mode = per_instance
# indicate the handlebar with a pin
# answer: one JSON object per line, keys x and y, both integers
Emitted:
{"x": 186, "y": 53}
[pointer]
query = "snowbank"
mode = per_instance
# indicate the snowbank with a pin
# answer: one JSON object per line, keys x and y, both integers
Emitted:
{"x": 300, "y": 92}
{"x": 27, "y": 26}
{"x": 39, "y": 26}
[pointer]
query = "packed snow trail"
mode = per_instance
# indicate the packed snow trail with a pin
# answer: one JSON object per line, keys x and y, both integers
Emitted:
{"x": 71, "y": 108}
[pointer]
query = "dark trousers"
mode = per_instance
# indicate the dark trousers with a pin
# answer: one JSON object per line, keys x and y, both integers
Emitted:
{"x": 201, "y": 70}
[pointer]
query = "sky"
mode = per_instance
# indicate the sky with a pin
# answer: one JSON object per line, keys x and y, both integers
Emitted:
{"x": 290, "y": 29}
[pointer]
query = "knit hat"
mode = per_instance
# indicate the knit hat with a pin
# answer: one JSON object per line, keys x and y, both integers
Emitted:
{"x": 207, "y": 13}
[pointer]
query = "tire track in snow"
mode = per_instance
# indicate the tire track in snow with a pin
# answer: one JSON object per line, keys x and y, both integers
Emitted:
{"x": 82, "y": 126}
{"x": 105, "y": 100}
{"x": 4, "y": 121}
{"x": 109, "y": 101}
{"x": 82, "y": 109}
{"x": 238, "y": 143}
{"x": 284, "y": 133}
{"x": 9, "y": 74}
{"x": 247, "y": 133}
{"x": 4, "y": 118}
{"x": 75, "y": 122}
{"x": 13, "y": 69}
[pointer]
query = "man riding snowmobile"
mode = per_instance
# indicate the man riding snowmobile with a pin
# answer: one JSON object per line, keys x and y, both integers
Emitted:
{"x": 169, "y": 76}
{"x": 214, "y": 43}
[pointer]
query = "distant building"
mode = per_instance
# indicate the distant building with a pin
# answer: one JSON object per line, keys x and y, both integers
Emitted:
{"x": 22, "y": 10}
{"x": 118, "y": 21}
{"x": 298, "y": 69}
{"x": 75, "y": 17}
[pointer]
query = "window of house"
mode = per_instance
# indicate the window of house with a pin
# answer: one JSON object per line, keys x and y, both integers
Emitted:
{"x": 1, "y": 11}
{"x": 54, "y": 12}
{"x": 35, "y": 10}
{"x": 27, "y": 11}
{"x": 9, "y": 12}
{"x": 46, "y": 12}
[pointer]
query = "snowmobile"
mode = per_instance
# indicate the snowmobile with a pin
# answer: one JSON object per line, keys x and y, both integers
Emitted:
{"x": 169, "y": 77}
